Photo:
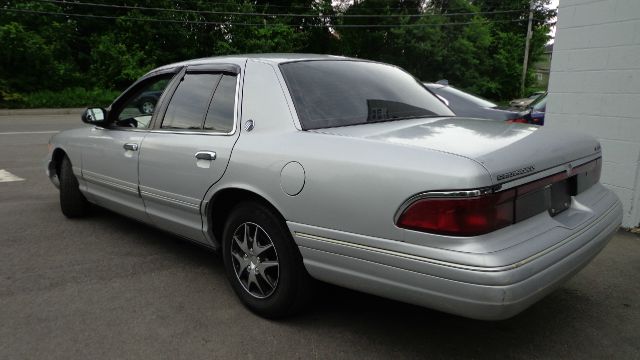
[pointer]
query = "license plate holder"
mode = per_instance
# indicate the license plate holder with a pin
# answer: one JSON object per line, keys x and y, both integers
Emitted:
{"x": 559, "y": 196}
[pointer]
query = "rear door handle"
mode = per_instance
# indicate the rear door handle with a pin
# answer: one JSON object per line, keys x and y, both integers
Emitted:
{"x": 132, "y": 147}
{"x": 206, "y": 155}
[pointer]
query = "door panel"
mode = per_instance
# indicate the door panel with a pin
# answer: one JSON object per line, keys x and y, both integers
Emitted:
{"x": 189, "y": 150}
{"x": 173, "y": 182}
{"x": 111, "y": 171}
{"x": 110, "y": 156}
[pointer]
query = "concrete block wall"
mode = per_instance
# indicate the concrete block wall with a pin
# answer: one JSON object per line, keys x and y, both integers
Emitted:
{"x": 594, "y": 87}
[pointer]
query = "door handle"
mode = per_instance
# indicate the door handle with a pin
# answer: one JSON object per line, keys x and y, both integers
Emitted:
{"x": 132, "y": 147}
{"x": 206, "y": 155}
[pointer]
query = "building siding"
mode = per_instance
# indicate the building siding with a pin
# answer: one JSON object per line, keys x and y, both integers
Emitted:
{"x": 594, "y": 87}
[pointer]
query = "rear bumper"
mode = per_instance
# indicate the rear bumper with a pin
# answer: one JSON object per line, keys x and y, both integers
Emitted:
{"x": 488, "y": 293}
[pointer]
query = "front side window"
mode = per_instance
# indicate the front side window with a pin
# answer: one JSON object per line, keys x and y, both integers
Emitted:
{"x": 332, "y": 93}
{"x": 138, "y": 110}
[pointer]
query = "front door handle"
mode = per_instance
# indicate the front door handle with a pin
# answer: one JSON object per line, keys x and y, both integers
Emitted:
{"x": 206, "y": 155}
{"x": 132, "y": 147}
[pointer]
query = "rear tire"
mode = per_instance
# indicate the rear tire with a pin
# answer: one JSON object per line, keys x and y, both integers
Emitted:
{"x": 72, "y": 203}
{"x": 267, "y": 291}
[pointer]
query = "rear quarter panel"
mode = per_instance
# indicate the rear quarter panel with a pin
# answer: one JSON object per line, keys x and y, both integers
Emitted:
{"x": 352, "y": 185}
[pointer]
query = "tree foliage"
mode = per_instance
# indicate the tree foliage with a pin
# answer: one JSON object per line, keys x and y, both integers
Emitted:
{"x": 475, "y": 44}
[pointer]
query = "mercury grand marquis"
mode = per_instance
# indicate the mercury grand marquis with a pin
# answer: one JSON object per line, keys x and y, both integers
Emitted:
{"x": 302, "y": 167}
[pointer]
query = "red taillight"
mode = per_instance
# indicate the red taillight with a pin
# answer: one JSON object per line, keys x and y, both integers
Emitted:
{"x": 519, "y": 120}
{"x": 481, "y": 214}
{"x": 467, "y": 216}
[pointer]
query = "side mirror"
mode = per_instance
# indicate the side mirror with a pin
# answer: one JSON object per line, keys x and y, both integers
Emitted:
{"x": 95, "y": 116}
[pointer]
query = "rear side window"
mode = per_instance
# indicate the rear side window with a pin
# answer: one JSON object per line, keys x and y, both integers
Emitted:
{"x": 339, "y": 93}
{"x": 203, "y": 102}
{"x": 220, "y": 115}
{"x": 189, "y": 103}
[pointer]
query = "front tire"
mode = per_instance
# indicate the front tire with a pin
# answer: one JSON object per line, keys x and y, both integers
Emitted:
{"x": 72, "y": 203}
{"x": 263, "y": 263}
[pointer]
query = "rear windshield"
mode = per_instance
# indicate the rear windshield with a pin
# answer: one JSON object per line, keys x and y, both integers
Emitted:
{"x": 340, "y": 93}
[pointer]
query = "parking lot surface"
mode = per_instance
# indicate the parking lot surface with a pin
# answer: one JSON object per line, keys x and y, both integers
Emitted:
{"x": 108, "y": 287}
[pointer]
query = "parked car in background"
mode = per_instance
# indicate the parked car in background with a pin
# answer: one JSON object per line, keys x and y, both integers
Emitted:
{"x": 468, "y": 105}
{"x": 524, "y": 102}
{"x": 534, "y": 114}
{"x": 347, "y": 171}
{"x": 146, "y": 102}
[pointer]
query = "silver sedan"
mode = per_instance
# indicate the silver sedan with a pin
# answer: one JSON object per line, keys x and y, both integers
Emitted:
{"x": 302, "y": 167}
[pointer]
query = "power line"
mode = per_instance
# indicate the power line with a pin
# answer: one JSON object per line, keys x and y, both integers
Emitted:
{"x": 128, "y": 7}
{"x": 294, "y": 6}
{"x": 251, "y": 24}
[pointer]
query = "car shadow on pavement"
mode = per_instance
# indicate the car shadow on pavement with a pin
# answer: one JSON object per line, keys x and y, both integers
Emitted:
{"x": 421, "y": 330}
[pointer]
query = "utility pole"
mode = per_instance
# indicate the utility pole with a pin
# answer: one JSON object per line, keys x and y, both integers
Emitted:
{"x": 526, "y": 50}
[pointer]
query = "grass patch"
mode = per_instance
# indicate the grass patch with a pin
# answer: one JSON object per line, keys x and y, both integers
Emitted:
{"x": 71, "y": 97}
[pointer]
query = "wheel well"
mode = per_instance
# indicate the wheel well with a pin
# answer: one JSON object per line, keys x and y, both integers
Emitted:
{"x": 224, "y": 201}
{"x": 56, "y": 159}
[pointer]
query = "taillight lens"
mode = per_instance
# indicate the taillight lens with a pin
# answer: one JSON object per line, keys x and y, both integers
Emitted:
{"x": 519, "y": 120}
{"x": 467, "y": 216}
{"x": 477, "y": 215}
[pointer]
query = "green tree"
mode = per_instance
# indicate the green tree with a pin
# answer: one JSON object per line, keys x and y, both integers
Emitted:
{"x": 115, "y": 65}
{"x": 508, "y": 30}
{"x": 476, "y": 44}
{"x": 26, "y": 60}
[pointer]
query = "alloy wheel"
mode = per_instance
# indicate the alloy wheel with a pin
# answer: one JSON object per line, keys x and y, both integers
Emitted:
{"x": 148, "y": 107}
{"x": 255, "y": 260}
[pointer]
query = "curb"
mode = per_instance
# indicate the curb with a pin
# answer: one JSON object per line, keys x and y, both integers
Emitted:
{"x": 9, "y": 112}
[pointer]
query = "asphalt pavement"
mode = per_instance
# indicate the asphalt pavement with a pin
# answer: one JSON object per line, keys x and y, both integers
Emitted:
{"x": 108, "y": 287}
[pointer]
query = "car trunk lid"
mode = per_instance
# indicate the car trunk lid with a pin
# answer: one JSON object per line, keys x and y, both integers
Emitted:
{"x": 507, "y": 151}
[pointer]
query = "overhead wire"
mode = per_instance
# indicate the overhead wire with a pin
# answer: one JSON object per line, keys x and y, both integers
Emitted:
{"x": 212, "y": 12}
{"x": 297, "y": 6}
{"x": 250, "y": 24}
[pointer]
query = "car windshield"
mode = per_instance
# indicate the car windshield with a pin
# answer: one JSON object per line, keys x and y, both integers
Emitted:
{"x": 540, "y": 104}
{"x": 339, "y": 93}
{"x": 448, "y": 92}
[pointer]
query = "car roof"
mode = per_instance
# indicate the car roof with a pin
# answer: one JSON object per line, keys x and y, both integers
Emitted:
{"x": 276, "y": 58}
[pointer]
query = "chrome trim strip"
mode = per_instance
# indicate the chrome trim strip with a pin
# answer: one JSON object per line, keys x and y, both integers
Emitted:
{"x": 461, "y": 266}
{"x": 544, "y": 173}
{"x": 210, "y": 133}
{"x": 180, "y": 203}
{"x": 385, "y": 252}
{"x": 102, "y": 180}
